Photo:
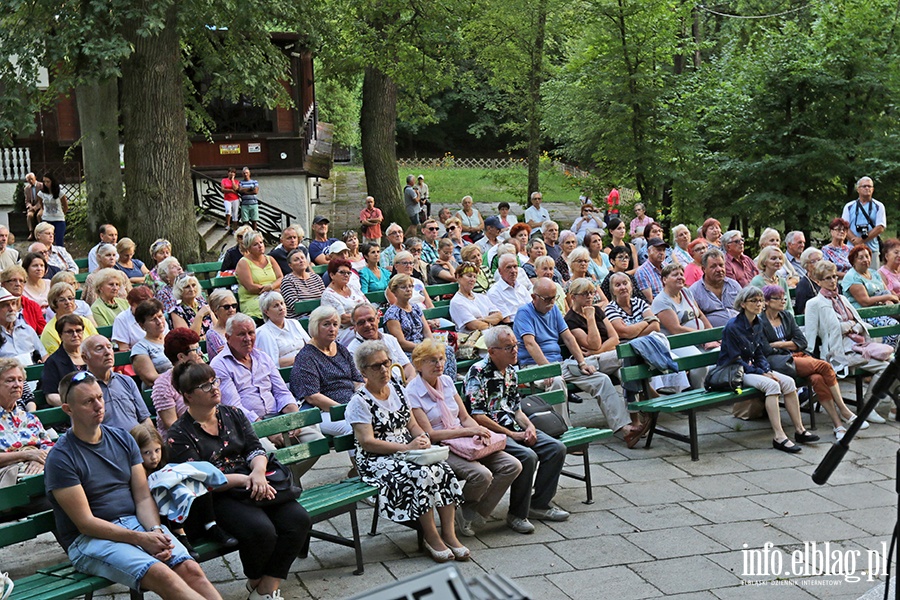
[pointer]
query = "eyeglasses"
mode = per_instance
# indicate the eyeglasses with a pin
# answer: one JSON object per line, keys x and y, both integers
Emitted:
{"x": 451, "y": 228}
{"x": 344, "y": 273}
{"x": 418, "y": 251}
{"x": 65, "y": 299}
{"x": 777, "y": 298}
{"x": 380, "y": 366}
{"x": 838, "y": 229}
{"x": 736, "y": 242}
{"x": 196, "y": 350}
{"x": 504, "y": 348}
{"x": 547, "y": 299}
{"x": 14, "y": 281}
{"x": 758, "y": 300}
{"x": 406, "y": 263}
{"x": 73, "y": 332}
{"x": 621, "y": 257}
{"x": 432, "y": 228}
{"x": 229, "y": 306}
{"x": 79, "y": 377}
{"x": 581, "y": 260}
{"x": 866, "y": 186}
{"x": 208, "y": 386}
{"x": 437, "y": 361}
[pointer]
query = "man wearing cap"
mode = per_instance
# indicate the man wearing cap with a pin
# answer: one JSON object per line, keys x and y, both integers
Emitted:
{"x": 19, "y": 339}
{"x": 649, "y": 274}
{"x": 320, "y": 241}
{"x": 422, "y": 188}
{"x": 492, "y": 228}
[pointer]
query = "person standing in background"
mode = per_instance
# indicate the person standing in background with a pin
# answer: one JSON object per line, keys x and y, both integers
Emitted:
{"x": 424, "y": 198}
{"x": 34, "y": 209}
{"x": 230, "y": 185}
{"x": 249, "y": 188}
{"x": 370, "y": 218}
{"x": 867, "y": 219}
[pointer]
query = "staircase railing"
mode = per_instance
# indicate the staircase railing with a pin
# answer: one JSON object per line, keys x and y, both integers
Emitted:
{"x": 209, "y": 198}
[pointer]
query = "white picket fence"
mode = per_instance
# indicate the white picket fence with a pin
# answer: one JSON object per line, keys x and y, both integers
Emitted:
{"x": 481, "y": 163}
{"x": 15, "y": 163}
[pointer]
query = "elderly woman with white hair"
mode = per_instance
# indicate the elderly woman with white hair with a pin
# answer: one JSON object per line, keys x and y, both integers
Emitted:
{"x": 169, "y": 270}
{"x": 107, "y": 287}
{"x": 279, "y": 337}
{"x": 471, "y": 219}
{"x": 23, "y": 442}
{"x": 192, "y": 310}
{"x": 57, "y": 256}
{"x": 807, "y": 288}
{"x": 567, "y": 242}
{"x": 404, "y": 263}
{"x": 160, "y": 250}
{"x": 769, "y": 262}
{"x": 681, "y": 238}
{"x": 324, "y": 374}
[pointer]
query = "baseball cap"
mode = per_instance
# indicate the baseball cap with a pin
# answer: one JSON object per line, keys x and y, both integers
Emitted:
{"x": 336, "y": 247}
{"x": 320, "y": 219}
{"x": 493, "y": 222}
{"x": 421, "y": 177}
{"x": 657, "y": 242}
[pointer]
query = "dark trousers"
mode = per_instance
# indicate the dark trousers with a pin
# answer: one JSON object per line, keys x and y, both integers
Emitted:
{"x": 547, "y": 457}
{"x": 270, "y": 537}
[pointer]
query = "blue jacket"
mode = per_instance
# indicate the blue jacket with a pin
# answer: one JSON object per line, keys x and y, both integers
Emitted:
{"x": 746, "y": 345}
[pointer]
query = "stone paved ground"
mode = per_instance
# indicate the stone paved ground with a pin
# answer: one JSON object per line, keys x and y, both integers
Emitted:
{"x": 661, "y": 525}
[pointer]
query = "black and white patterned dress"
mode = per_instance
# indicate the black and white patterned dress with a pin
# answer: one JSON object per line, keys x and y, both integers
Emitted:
{"x": 406, "y": 490}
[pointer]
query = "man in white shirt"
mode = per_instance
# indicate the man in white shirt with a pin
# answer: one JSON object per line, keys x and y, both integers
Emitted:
{"x": 364, "y": 318}
{"x": 535, "y": 215}
{"x": 9, "y": 256}
{"x": 492, "y": 229}
{"x": 108, "y": 235}
{"x": 867, "y": 219}
{"x": 508, "y": 294}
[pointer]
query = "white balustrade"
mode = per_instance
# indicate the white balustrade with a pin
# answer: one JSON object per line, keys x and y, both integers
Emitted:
{"x": 15, "y": 163}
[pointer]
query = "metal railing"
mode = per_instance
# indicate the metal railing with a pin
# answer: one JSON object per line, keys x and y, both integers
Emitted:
{"x": 209, "y": 199}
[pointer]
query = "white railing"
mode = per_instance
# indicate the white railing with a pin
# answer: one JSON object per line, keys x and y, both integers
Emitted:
{"x": 15, "y": 163}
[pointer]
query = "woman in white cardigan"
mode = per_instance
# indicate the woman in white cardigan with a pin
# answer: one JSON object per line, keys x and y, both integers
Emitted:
{"x": 836, "y": 328}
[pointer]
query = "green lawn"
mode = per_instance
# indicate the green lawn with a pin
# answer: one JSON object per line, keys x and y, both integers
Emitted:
{"x": 449, "y": 185}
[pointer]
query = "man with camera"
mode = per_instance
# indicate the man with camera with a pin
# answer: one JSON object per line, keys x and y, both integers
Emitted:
{"x": 867, "y": 219}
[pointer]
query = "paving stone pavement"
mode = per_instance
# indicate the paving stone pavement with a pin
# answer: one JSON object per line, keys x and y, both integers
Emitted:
{"x": 661, "y": 525}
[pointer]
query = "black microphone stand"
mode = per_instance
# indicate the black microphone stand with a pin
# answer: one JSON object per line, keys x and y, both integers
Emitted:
{"x": 878, "y": 390}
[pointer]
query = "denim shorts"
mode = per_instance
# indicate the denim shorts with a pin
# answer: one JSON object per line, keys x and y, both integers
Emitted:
{"x": 123, "y": 563}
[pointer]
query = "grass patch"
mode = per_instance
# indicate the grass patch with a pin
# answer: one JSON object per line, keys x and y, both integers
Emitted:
{"x": 492, "y": 186}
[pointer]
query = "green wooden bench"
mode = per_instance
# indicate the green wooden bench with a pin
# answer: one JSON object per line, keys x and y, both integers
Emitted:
{"x": 218, "y": 282}
{"x": 576, "y": 439}
{"x": 82, "y": 263}
{"x": 688, "y": 401}
{"x": 320, "y": 269}
{"x": 376, "y": 298}
{"x": 205, "y": 270}
{"x": 81, "y": 277}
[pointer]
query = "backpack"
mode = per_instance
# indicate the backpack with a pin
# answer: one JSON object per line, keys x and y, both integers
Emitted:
{"x": 543, "y": 416}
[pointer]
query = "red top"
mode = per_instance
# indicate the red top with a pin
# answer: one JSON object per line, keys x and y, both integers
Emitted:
{"x": 33, "y": 315}
{"x": 228, "y": 190}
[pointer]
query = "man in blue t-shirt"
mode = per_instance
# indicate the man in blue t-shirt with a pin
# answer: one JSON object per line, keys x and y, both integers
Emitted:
{"x": 106, "y": 519}
{"x": 320, "y": 241}
{"x": 539, "y": 327}
{"x": 248, "y": 191}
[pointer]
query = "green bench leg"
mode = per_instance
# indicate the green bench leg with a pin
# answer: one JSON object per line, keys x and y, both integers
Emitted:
{"x": 692, "y": 427}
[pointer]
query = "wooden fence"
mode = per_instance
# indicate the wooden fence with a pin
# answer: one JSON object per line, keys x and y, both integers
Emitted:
{"x": 456, "y": 162}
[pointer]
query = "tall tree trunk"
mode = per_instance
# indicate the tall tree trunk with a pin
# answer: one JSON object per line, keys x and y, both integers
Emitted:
{"x": 378, "y": 132}
{"x": 535, "y": 114}
{"x": 98, "y": 113}
{"x": 157, "y": 170}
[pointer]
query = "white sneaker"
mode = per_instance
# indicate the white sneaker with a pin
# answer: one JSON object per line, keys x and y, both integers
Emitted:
{"x": 865, "y": 424}
{"x": 463, "y": 525}
{"x": 254, "y": 595}
{"x": 519, "y": 525}
{"x": 840, "y": 432}
{"x": 554, "y": 513}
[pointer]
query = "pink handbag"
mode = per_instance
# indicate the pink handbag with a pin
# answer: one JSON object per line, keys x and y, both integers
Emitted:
{"x": 472, "y": 447}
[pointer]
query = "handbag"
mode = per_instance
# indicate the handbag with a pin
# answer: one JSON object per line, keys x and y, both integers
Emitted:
{"x": 469, "y": 447}
{"x": 783, "y": 363}
{"x": 280, "y": 478}
{"x": 425, "y": 456}
{"x": 725, "y": 378}
{"x": 474, "y": 447}
{"x": 543, "y": 417}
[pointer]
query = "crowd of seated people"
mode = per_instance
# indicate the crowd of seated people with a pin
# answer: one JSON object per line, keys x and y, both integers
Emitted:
{"x": 533, "y": 291}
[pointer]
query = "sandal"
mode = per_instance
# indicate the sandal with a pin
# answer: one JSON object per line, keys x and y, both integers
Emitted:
{"x": 840, "y": 432}
{"x": 634, "y": 435}
{"x": 805, "y": 437}
{"x": 783, "y": 446}
{"x": 439, "y": 556}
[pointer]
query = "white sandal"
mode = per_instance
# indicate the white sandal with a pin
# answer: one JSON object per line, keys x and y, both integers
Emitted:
{"x": 6, "y": 586}
{"x": 840, "y": 432}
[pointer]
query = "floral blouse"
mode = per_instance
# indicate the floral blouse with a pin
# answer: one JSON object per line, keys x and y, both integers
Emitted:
{"x": 20, "y": 429}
